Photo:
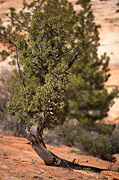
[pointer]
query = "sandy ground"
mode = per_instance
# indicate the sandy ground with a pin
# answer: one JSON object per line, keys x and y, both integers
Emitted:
{"x": 18, "y": 161}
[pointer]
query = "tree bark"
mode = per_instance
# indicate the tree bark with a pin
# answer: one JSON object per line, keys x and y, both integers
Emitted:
{"x": 34, "y": 135}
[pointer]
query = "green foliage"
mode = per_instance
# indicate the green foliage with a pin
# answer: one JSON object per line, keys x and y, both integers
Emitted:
{"x": 99, "y": 127}
{"x": 88, "y": 142}
{"x": 79, "y": 152}
{"x": 4, "y": 54}
{"x": 104, "y": 128}
{"x": 82, "y": 1}
{"x": 69, "y": 133}
{"x": 96, "y": 144}
{"x": 87, "y": 169}
{"x": 2, "y": 116}
{"x": 40, "y": 41}
{"x": 73, "y": 162}
{"x": 45, "y": 38}
{"x": 89, "y": 99}
{"x": 114, "y": 138}
{"x": 41, "y": 60}
{"x": 4, "y": 94}
{"x": 33, "y": 161}
{"x": 64, "y": 134}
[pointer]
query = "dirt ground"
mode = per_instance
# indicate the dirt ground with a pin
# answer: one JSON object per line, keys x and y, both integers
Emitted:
{"x": 18, "y": 161}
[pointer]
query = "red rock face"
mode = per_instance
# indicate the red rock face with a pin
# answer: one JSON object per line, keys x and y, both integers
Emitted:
{"x": 107, "y": 16}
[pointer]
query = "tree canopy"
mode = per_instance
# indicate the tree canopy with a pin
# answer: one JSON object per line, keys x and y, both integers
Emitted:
{"x": 45, "y": 38}
{"x": 90, "y": 100}
{"x": 44, "y": 53}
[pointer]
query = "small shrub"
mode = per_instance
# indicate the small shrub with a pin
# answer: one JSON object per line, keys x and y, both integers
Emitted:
{"x": 73, "y": 162}
{"x": 6, "y": 153}
{"x": 69, "y": 133}
{"x": 87, "y": 169}
{"x": 96, "y": 144}
{"x": 115, "y": 139}
{"x": 79, "y": 152}
{"x": 33, "y": 161}
{"x": 65, "y": 134}
{"x": 53, "y": 136}
{"x": 104, "y": 128}
{"x": 2, "y": 116}
{"x": 11, "y": 126}
{"x": 101, "y": 128}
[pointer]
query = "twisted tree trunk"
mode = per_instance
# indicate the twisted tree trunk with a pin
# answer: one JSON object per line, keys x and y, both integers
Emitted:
{"x": 34, "y": 135}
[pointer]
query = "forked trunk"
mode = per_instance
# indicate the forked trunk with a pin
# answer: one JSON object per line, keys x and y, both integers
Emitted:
{"x": 34, "y": 135}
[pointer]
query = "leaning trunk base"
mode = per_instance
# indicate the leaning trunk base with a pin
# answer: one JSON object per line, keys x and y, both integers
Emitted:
{"x": 34, "y": 135}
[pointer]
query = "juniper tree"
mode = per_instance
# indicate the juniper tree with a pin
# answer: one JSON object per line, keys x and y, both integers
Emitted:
{"x": 90, "y": 100}
{"x": 43, "y": 39}
{"x": 44, "y": 57}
